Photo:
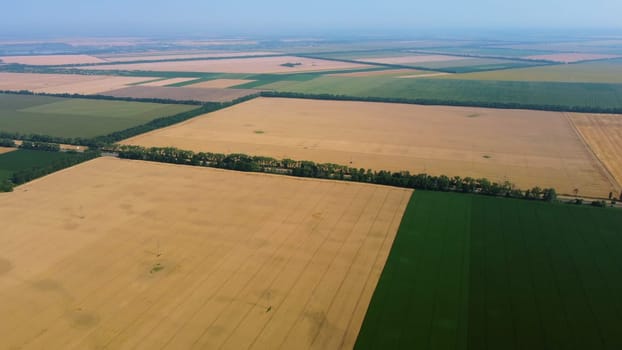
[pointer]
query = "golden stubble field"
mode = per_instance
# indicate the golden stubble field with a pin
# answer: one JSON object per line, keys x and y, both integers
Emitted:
{"x": 528, "y": 148}
{"x": 65, "y": 83}
{"x": 238, "y": 65}
{"x": 128, "y": 254}
{"x": 603, "y": 134}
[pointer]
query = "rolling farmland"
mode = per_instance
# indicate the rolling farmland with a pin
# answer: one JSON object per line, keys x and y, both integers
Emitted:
{"x": 259, "y": 261}
{"x": 71, "y": 117}
{"x": 473, "y": 272}
{"x": 528, "y": 148}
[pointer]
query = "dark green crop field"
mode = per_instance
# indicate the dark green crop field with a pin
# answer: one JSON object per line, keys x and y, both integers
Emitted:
{"x": 475, "y": 272}
{"x": 22, "y": 159}
{"x": 72, "y": 117}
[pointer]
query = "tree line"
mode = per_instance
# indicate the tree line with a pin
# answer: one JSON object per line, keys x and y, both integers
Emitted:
{"x": 243, "y": 162}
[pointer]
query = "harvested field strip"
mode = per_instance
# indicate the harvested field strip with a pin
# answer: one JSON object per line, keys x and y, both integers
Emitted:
{"x": 261, "y": 262}
{"x": 603, "y": 134}
{"x": 473, "y": 272}
{"x": 501, "y": 145}
{"x": 65, "y": 83}
{"x": 167, "y": 82}
{"x": 220, "y": 83}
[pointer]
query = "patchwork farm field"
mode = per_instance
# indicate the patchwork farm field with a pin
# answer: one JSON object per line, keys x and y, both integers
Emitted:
{"x": 475, "y": 272}
{"x": 528, "y": 148}
{"x": 65, "y": 83}
{"x": 237, "y": 65}
{"x": 181, "y": 93}
{"x": 588, "y": 72}
{"x": 71, "y": 117}
{"x": 603, "y": 135}
{"x": 184, "y": 257}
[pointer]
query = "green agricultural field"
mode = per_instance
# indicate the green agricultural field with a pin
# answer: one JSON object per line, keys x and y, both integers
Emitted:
{"x": 475, "y": 272}
{"x": 71, "y": 117}
{"x": 588, "y": 72}
{"x": 22, "y": 159}
{"x": 492, "y": 93}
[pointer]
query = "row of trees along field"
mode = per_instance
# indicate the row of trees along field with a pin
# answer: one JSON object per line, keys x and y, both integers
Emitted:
{"x": 243, "y": 162}
{"x": 30, "y": 173}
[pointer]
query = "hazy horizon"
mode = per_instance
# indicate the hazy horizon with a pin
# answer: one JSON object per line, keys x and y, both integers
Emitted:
{"x": 37, "y": 18}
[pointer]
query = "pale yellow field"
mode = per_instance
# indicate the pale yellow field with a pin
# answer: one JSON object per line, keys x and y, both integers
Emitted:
{"x": 603, "y": 134}
{"x": 237, "y": 65}
{"x": 412, "y": 59}
{"x": 167, "y": 56}
{"x": 528, "y": 148}
{"x": 221, "y": 83}
{"x": 126, "y": 254}
{"x": 65, "y": 83}
{"x": 166, "y": 82}
{"x": 6, "y": 149}
{"x": 570, "y": 57}
{"x": 377, "y": 73}
{"x": 50, "y": 60}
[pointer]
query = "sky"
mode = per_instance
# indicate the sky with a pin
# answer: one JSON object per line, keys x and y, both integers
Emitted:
{"x": 236, "y": 17}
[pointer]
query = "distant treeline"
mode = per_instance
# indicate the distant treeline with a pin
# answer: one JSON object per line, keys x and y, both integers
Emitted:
{"x": 243, "y": 162}
{"x": 435, "y": 102}
{"x": 100, "y": 141}
{"x": 104, "y": 97}
{"x": 40, "y": 146}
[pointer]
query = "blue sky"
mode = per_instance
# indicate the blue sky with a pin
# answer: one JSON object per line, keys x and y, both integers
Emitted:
{"x": 114, "y": 17}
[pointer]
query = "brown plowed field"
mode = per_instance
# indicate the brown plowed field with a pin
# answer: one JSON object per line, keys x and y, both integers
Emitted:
{"x": 220, "y": 83}
{"x": 51, "y": 60}
{"x": 65, "y": 83}
{"x": 237, "y": 65}
{"x": 166, "y": 82}
{"x": 603, "y": 134}
{"x": 181, "y": 93}
{"x": 528, "y": 148}
{"x": 129, "y": 254}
